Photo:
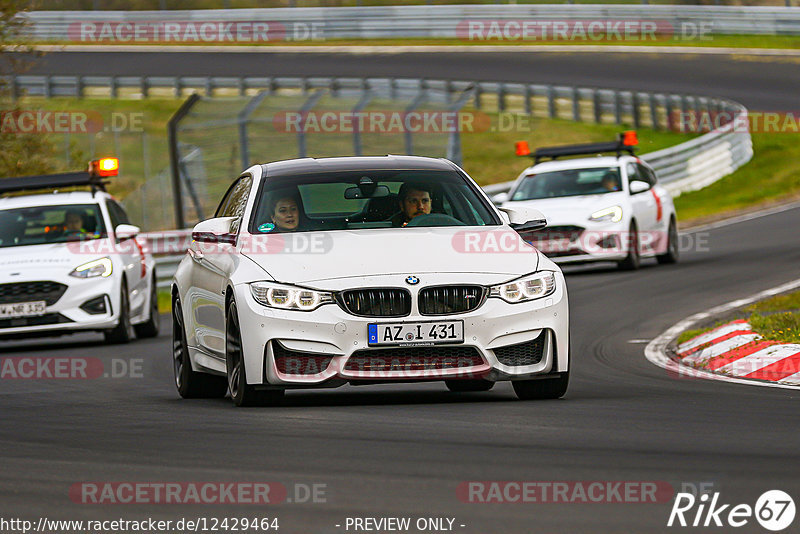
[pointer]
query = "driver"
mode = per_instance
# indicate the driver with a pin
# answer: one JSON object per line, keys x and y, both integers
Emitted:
{"x": 73, "y": 224}
{"x": 414, "y": 200}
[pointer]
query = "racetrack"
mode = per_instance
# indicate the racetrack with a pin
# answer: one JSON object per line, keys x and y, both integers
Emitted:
{"x": 403, "y": 450}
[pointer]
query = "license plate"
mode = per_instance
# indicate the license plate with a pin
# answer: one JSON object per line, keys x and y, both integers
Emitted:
{"x": 420, "y": 334}
{"x": 23, "y": 309}
{"x": 553, "y": 245}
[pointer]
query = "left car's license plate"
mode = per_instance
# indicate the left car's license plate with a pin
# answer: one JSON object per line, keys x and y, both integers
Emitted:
{"x": 433, "y": 333}
{"x": 23, "y": 309}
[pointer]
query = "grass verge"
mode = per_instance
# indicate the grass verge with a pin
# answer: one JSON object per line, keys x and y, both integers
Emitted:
{"x": 773, "y": 175}
{"x": 777, "y": 318}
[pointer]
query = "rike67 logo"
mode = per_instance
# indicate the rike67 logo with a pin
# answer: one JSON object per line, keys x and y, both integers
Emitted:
{"x": 774, "y": 510}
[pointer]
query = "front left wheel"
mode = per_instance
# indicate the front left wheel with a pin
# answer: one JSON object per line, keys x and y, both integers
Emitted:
{"x": 242, "y": 393}
{"x": 191, "y": 384}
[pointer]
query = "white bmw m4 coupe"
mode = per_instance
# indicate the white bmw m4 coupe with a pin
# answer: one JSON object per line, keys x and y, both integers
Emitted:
{"x": 362, "y": 270}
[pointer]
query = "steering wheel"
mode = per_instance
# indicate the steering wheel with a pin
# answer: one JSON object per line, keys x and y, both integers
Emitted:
{"x": 434, "y": 219}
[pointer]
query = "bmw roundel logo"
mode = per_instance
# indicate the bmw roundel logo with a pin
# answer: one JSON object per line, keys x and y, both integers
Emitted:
{"x": 412, "y": 280}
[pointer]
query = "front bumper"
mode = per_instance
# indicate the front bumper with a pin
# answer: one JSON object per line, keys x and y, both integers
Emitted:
{"x": 329, "y": 345}
{"x": 588, "y": 243}
{"x": 66, "y": 315}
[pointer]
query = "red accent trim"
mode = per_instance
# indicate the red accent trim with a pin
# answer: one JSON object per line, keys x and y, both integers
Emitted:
{"x": 659, "y": 207}
{"x": 141, "y": 251}
{"x": 738, "y": 353}
{"x": 778, "y": 370}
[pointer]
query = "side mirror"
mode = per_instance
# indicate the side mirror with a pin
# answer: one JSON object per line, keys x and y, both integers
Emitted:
{"x": 525, "y": 219}
{"x": 126, "y": 231}
{"x": 638, "y": 186}
{"x": 216, "y": 230}
{"x": 499, "y": 198}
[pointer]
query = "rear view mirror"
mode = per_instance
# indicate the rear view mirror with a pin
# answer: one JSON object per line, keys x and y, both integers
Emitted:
{"x": 638, "y": 186}
{"x": 378, "y": 191}
{"x": 216, "y": 230}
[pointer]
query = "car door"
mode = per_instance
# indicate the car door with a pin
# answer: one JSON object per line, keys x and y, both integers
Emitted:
{"x": 212, "y": 265}
{"x": 132, "y": 256}
{"x": 644, "y": 207}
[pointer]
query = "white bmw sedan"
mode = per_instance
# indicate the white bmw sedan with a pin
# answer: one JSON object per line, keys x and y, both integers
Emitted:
{"x": 323, "y": 272}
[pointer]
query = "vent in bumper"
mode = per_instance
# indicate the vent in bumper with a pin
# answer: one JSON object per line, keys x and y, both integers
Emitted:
{"x": 376, "y": 302}
{"x": 414, "y": 359}
{"x": 291, "y": 362}
{"x": 447, "y": 300}
{"x": 49, "y": 292}
{"x": 527, "y": 353}
{"x": 36, "y": 320}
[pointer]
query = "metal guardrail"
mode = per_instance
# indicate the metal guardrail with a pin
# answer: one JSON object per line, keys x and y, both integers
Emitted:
{"x": 375, "y": 22}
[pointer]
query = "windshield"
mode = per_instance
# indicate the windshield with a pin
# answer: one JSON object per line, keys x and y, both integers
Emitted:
{"x": 369, "y": 199}
{"x": 569, "y": 182}
{"x": 39, "y": 225}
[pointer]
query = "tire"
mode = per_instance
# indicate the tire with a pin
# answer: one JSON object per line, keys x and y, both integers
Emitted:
{"x": 462, "y": 386}
{"x": 633, "y": 259}
{"x": 545, "y": 388}
{"x": 123, "y": 332}
{"x": 672, "y": 254}
{"x": 150, "y": 327}
{"x": 191, "y": 384}
{"x": 242, "y": 393}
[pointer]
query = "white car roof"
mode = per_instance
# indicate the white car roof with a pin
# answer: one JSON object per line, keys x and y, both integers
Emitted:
{"x": 52, "y": 199}
{"x": 579, "y": 163}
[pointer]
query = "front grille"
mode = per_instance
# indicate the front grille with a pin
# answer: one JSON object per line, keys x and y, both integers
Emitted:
{"x": 377, "y": 302}
{"x": 35, "y": 320}
{"x": 561, "y": 232}
{"x": 527, "y": 353}
{"x": 414, "y": 359}
{"x": 49, "y": 292}
{"x": 446, "y": 300}
{"x": 291, "y": 362}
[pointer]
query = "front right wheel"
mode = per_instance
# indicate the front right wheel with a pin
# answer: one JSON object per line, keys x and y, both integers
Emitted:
{"x": 242, "y": 393}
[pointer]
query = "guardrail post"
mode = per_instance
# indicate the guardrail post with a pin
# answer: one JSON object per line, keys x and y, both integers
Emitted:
{"x": 684, "y": 107}
{"x": 598, "y": 106}
{"x": 478, "y": 93}
{"x": 527, "y": 97}
{"x": 144, "y": 87}
{"x": 501, "y": 97}
{"x": 47, "y": 90}
{"x": 240, "y": 85}
{"x": 637, "y": 122}
{"x": 178, "y": 87}
{"x": 12, "y": 84}
{"x": 670, "y": 110}
{"x": 576, "y": 105}
{"x": 209, "y": 87}
{"x": 113, "y": 89}
{"x": 79, "y": 86}
{"x": 304, "y": 85}
{"x": 392, "y": 89}
{"x": 334, "y": 88}
{"x": 653, "y": 111}
{"x": 551, "y": 102}
{"x": 617, "y": 107}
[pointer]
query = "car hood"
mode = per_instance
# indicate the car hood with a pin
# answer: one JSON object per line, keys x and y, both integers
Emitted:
{"x": 571, "y": 210}
{"x": 316, "y": 256}
{"x": 56, "y": 257}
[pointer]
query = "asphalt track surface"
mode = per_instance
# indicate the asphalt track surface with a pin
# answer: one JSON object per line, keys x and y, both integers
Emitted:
{"x": 402, "y": 450}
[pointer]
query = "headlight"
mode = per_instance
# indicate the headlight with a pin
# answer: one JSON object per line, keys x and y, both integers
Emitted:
{"x": 613, "y": 214}
{"x": 101, "y": 267}
{"x": 530, "y": 287}
{"x": 289, "y": 298}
